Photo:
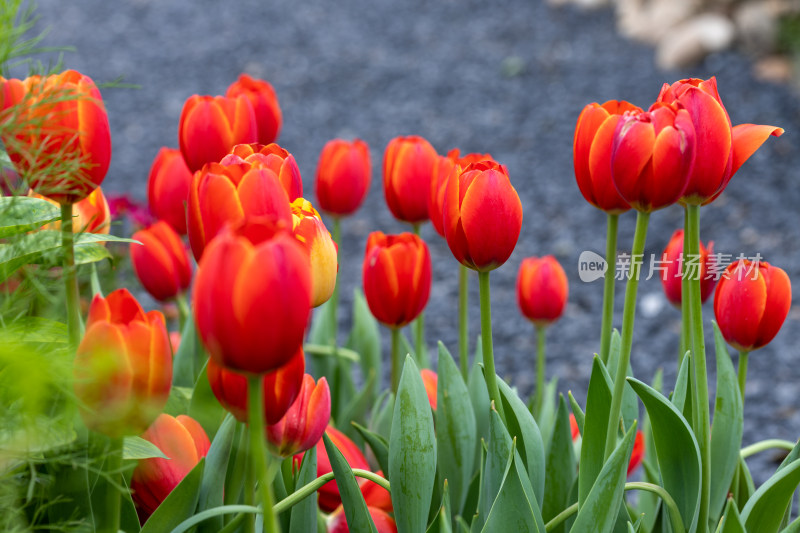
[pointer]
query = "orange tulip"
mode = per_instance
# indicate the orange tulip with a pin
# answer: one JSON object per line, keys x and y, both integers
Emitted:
{"x": 304, "y": 422}
{"x": 252, "y": 297}
{"x": 431, "y": 382}
{"x": 168, "y": 188}
{"x": 408, "y": 164}
{"x": 123, "y": 366}
{"x": 397, "y": 277}
{"x": 91, "y": 214}
{"x": 308, "y": 228}
{"x": 161, "y": 262}
{"x": 184, "y": 441}
{"x": 265, "y": 105}
{"x": 384, "y": 523}
{"x": 672, "y": 260}
{"x": 343, "y": 176}
{"x": 56, "y": 133}
{"x": 443, "y": 169}
{"x": 542, "y": 289}
{"x": 211, "y": 125}
{"x": 751, "y": 303}
{"x": 276, "y": 159}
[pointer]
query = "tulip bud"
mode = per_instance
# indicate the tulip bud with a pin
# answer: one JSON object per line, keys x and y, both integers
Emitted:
{"x": 384, "y": 523}
{"x": 265, "y": 105}
{"x": 637, "y": 454}
{"x": 343, "y": 176}
{"x": 397, "y": 277}
{"x": 308, "y": 228}
{"x": 407, "y": 168}
{"x": 673, "y": 261}
{"x": 431, "y": 382}
{"x": 181, "y": 439}
{"x": 751, "y": 303}
{"x": 273, "y": 157}
{"x": 161, "y": 262}
{"x": 123, "y": 366}
{"x": 302, "y": 426}
{"x": 168, "y": 188}
{"x": 91, "y": 214}
{"x": 542, "y": 289}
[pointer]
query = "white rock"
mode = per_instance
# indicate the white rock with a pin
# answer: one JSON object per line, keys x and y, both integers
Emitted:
{"x": 651, "y": 20}
{"x": 691, "y": 41}
{"x": 757, "y": 25}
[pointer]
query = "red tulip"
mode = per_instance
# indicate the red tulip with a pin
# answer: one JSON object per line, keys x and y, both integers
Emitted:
{"x": 123, "y": 366}
{"x": 723, "y": 148}
{"x": 308, "y": 228}
{"x": 443, "y": 169}
{"x": 329, "y": 497}
{"x": 252, "y": 297}
{"x": 591, "y": 154}
{"x": 265, "y": 105}
{"x": 542, "y": 289}
{"x": 408, "y": 164}
{"x": 302, "y": 426}
{"x": 637, "y": 454}
{"x": 211, "y": 125}
{"x": 122, "y": 205}
{"x": 672, "y": 261}
{"x": 56, "y": 132}
{"x": 431, "y": 382}
{"x": 276, "y": 159}
{"x": 343, "y": 176}
{"x": 482, "y": 216}
{"x": 384, "y": 523}
{"x": 573, "y": 427}
{"x": 280, "y": 388}
{"x": 168, "y": 188}
{"x": 397, "y": 277}
{"x": 91, "y": 214}
{"x": 751, "y": 303}
{"x": 181, "y": 439}
{"x": 161, "y": 262}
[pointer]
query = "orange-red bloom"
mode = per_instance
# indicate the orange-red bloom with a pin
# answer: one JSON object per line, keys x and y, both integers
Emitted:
{"x": 265, "y": 105}
{"x": 308, "y": 228}
{"x": 343, "y": 176}
{"x": 721, "y": 148}
{"x": 637, "y": 454}
{"x": 431, "y": 381}
{"x": 384, "y": 523}
{"x": 542, "y": 289}
{"x": 168, "y": 188}
{"x": 91, "y": 214}
{"x": 252, "y": 297}
{"x": 408, "y": 164}
{"x": 482, "y": 216}
{"x": 397, "y": 277}
{"x": 591, "y": 154}
{"x": 161, "y": 262}
{"x": 273, "y": 157}
{"x": 211, "y": 125}
{"x": 302, "y": 426}
{"x": 184, "y": 441}
{"x": 443, "y": 169}
{"x": 751, "y": 303}
{"x": 696, "y": 267}
{"x": 280, "y": 388}
{"x": 123, "y": 367}
{"x": 56, "y": 133}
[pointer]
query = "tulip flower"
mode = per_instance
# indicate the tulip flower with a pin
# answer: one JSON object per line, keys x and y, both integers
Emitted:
{"x": 265, "y": 105}
{"x": 724, "y": 148}
{"x": 408, "y": 164}
{"x": 228, "y": 192}
{"x": 161, "y": 262}
{"x": 252, "y": 296}
{"x": 672, "y": 260}
{"x": 573, "y": 427}
{"x": 184, "y": 442}
{"x": 444, "y": 168}
{"x": 302, "y": 426}
{"x": 168, "y": 188}
{"x": 384, "y": 523}
{"x": 123, "y": 366}
{"x": 211, "y": 125}
{"x": 280, "y": 388}
{"x": 542, "y": 290}
{"x": 276, "y": 159}
{"x": 56, "y": 132}
{"x": 431, "y": 381}
{"x": 637, "y": 454}
{"x": 308, "y": 228}
{"x": 122, "y": 205}
{"x": 343, "y": 176}
{"x": 91, "y": 214}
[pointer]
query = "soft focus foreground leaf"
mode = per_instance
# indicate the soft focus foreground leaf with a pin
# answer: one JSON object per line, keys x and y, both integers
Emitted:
{"x": 731, "y": 521}
{"x": 179, "y": 505}
{"x": 764, "y": 510}
{"x": 136, "y": 448}
{"x": 355, "y": 510}
{"x": 304, "y": 514}
{"x": 515, "y": 507}
{"x": 677, "y": 451}
{"x": 378, "y": 445}
{"x": 213, "y": 483}
{"x": 366, "y": 340}
{"x": 726, "y": 431}
{"x": 600, "y": 509}
{"x": 204, "y": 406}
{"x": 355, "y": 410}
{"x": 20, "y": 214}
{"x": 189, "y": 358}
{"x": 34, "y": 330}
{"x": 598, "y": 402}
{"x": 560, "y": 466}
{"x": 412, "y": 452}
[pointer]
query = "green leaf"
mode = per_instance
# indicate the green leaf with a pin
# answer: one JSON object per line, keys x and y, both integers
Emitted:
{"x": 189, "y": 358}
{"x": 378, "y": 445}
{"x": 764, "y": 510}
{"x": 138, "y": 448}
{"x": 304, "y": 513}
{"x": 356, "y": 408}
{"x": 577, "y": 412}
{"x": 498, "y": 450}
{"x": 630, "y": 407}
{"x": 366, "y": 340}
{"x": 355, "y": 510}
{"x": 731, "y": 521}
{"x": 179, "y": 505}
{"x": 20, "y": 214}
{"x": 479, "y": 395}
{"x": 128, "y": 518}
{"x": 598, "y": 402}
{"x": 91, "y": 253}
{"x": 600, "y": 509}
{"x": 211, "y": 488}
{"x": 32, "y": 329}
{"x": 726, "y": 431}
{"x": 442, "y": 522}
{"x": 547, "y": 415}
{"x": 560, "y": 466}
{"x": 683, "y": 394}
{"x": 382, "y": 423}
{"x": 204, "y": 406}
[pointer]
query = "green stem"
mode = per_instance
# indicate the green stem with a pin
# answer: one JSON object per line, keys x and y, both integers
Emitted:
{"x": 183, "y": 309}
{"x": 702, "y": 418}
{"x": 540, "y": 365}
{"x": 397, "y": 364}
{"x": 560, "y": 517}
{"x": 255, "y": 412}
{"x": 608, "y": 287}
{"x": 419, "y": 330}
{"x": 486, "y": 340}
{"x": 333, "y": 351}
{"x": 463, "y": 320}
{"x": 628, "y": 314}
{"x": 108, "y": 520}
{"x": 686, "y": 329}
{"x": 70, "y": 278}
{"x": 743, "y": 372}
{"x": 765, "y": 445}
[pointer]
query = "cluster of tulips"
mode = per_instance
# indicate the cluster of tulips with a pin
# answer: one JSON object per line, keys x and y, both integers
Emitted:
{"x": 218, "y": 426}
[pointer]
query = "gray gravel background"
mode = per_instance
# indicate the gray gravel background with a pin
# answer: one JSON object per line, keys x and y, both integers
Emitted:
{"x": 504, "y": 77}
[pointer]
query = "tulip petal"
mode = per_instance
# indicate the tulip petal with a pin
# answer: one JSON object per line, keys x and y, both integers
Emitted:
{"x": 747, "y": 138}
{"x": 779, "y": 300}
{"x": 739, "y": 306}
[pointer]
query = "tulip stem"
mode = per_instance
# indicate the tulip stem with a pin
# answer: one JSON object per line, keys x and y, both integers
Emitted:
{"x": 486, "y": 340}
{"x": 419, "y": 330}
{"x": 255, "y": 413}
{"x": 608, "y": 287}
{"x": 108, "y": 520}
{"x": 463, "y": 320}
{"x": 628, "y": 314}
{"x": 183, "y": 309}
{"x": 702, "y": 416}
{"x": 540, "y": 364}
{"x": 743, "y": 372}
{"x": 70, "y": 279}
{"x": 397, "y": 366}
{"x": 686, "y": 322}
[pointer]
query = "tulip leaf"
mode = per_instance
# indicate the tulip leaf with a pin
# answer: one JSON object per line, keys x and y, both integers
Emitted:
{"x": 355, "y": 509}
{"x": 213, "y": 483}
{"x": 21, "y": 214}
{"x": 560, "y": 466}
{"x": 35, "y": 330}
{"x": 128, "y": 518}
{"x": 179, "y": 505}
{"x": 545, "y": 419}
{"x": 204, "y": 406}
{"x": 189, "y": 357}
{"x": 766, "y": 507}
{"x": 726, "y": 431}
{"x": 731, "y": 521}
{"x": 136, "y": 448}
{"x": 382, "y": 423}
{"x": 598, "y": 402}
{"x": 602, "y": 505}
{"x": 366, "y": 340}
{"x": 577, "y": 412}
{"x": 378, "y": 445}
{"x": 683, "y": 393}
{"x": 456, "y": 433}
{"x": 479, "y": 395}
{"x": 498, "y": 450}
{"x": 630, "y": 407}
{"x": 442, "y": 522}
{"x": 356, "y": 408}
{"x": 677, "y": 451}
{"x": 304, "y": 513}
